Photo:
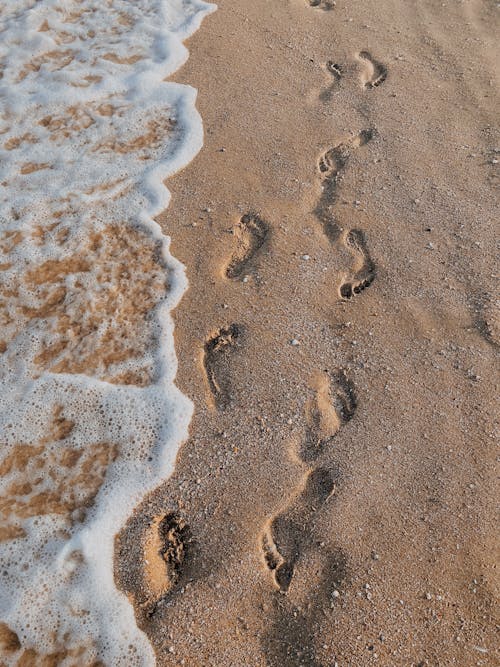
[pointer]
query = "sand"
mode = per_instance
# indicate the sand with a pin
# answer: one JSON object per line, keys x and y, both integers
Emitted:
{"x": 335, "y": 503}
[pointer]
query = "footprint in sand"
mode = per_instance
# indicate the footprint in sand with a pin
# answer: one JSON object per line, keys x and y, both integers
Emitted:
{"x": 217, "y": 352}
{"x": 322, "y": 4}
{"x": 335, "y": 72}
{"x": 288, "y": 534}
{"x": 331, "y": 166}
{"x": 364, "y": 268}
{"x": 166, "y": 546}
{"x": 333, "y": 404}
{"x": 251, "y": 234}
{"x": 374, "y": 72}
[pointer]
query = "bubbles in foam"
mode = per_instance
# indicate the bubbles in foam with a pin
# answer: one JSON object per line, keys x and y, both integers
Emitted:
{"x": 89, "y": 415}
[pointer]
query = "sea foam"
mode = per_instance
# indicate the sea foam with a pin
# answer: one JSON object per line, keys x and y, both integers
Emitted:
{"x": 90, "y": 418}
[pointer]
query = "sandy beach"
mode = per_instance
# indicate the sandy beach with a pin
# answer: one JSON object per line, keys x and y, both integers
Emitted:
{"x": 335, "y": 504}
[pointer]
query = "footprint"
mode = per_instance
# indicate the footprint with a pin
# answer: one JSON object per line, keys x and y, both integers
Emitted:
{"x": 374, "y": 72}
{"x": 364, "y": 269}
{"x": 166, "y": 547}
{"x": 322, "y": 4}
{"x": 216, "y": 357}
{"x": 288, "y": 534}
{"x": 345, "y": 396}
{"x": 173, "y": 532}
{"x": 334, "y": 404}
{"x": 251, "y": 234}
{"x": 331, "y": 165}
{"x": 336, "y": 72}
{"x": 334, "y": 161}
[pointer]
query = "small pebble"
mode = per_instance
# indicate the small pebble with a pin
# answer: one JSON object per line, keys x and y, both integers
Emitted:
{"x": 294, "y": 342}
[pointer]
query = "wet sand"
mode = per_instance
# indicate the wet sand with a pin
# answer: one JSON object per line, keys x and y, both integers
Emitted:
{"x": 335, "y": 503}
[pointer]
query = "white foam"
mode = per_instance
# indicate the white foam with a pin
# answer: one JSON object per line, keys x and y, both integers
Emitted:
{"x": 89, "y": 130}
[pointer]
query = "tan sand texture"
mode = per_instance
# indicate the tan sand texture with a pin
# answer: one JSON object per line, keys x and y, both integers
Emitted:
{"x": 336, "y": 501}
{"x": 335, "y": 504}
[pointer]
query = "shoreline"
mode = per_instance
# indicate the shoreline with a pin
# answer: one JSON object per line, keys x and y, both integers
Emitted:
{"x": 90, "y": 418}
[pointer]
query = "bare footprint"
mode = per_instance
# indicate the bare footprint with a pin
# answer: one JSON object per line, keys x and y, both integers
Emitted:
{"x": 332, "y": 162}
{"x": 364, "y": 270}
{"x": 345, "y": 396}
{"x": 331, "y": 166}
{"x": 335, "y": 71}
{"x": 251, "y": 234}
{"x": 216, "y": 356}
{"x": 165, "y": 548}
{"x": 333, "y": 404}
{"x": 288, "y": 534}
{"x": 375, "y": 73}
{"x": 322, "y": 4}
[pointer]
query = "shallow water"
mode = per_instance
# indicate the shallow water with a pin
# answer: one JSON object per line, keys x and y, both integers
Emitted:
{"x": 89, "y": 414}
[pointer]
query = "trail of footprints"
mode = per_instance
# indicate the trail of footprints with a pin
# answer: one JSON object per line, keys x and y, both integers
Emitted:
{"x": 252, "y": 233}
{"x": 331, "y": 167}
{"x": 287, "y": 535}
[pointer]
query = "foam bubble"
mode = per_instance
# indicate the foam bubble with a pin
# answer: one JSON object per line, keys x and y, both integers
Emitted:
{"x": 89, "y": 414}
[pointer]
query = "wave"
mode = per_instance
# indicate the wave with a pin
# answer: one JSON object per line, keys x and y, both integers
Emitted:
{"x": 89, "y": 414}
